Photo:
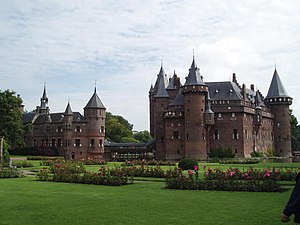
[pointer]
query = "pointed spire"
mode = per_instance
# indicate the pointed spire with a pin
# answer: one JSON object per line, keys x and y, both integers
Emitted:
{"x": 161, "y": 84}
{"x": 276, "y": 88}
{"x": 194, "y": 77}
{"x": 44, "y": 99}
{"x": 68, "y": 110}
{"x": 151, "y": 89}
{"x": 208, "y": 104}
{"x": 95, "y": 86}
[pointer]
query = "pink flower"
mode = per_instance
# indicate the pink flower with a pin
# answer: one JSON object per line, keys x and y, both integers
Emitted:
{"x": 190, "y": 172}
{"x": 196, "y": 168}
{"x": 232, "y": 174}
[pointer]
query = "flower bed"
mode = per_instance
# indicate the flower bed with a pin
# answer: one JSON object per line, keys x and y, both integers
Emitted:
{"x": 177, "y": 180}
{"x": 144, "y": 171}
{"x": 10, "y": 173}
{"x": 74, "y": 172}
{"x": 250, "y": 174}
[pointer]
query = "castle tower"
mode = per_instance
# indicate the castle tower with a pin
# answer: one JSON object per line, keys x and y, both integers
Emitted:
{"x": 160, "y": 103}
{"x": 43, "y": 108}
{"x": 151, "y": 110}
{"x": 173, "y": 86}
{"x": 67, "y": 131}
{"x": 95, "y": 114}
{"x": 279, "y": 101}
{"x": 195, "y": 92}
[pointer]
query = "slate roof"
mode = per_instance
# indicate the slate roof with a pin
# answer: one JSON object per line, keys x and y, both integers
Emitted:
{"x": 95, "y": 102}
{"x": 226, "y": 90}
{"x": 171, "y": 85}
{"x": 194, "y": 77}
{"x": 51, "y": 117}
{"x": 276, "y": 88}
{"x": 178, "y": 100}
{"x": 161, "y": 84}
{"x": 28, "y": 117}
{"x": 68, "y": 110}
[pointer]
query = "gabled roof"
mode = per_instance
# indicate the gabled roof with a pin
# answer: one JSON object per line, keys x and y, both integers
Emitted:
{"x": 57, "y": 117}
{"x": 226, "y": 90}
{"x": 68, "y": 110}
{"x": 95, "y": 102}
{"x": 194, "y": 77}
{"x": 28, "y": 117}
{"x": 276, "y": 88}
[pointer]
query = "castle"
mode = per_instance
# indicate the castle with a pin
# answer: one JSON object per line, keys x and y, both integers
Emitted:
{"x": 75, "y": 136}
{"x": 188, "y": 121}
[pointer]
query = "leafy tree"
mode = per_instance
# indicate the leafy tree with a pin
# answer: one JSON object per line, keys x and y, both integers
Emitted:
{"x": 11, "y": 126}
{"x": 295, "y": 133}
{"x": 142, "y": 136}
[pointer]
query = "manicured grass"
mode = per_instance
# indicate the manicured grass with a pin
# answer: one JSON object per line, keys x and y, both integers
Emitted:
{"x": 27, "y": 201}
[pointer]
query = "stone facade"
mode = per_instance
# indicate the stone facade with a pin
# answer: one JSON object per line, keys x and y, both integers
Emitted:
{"x": 74, "y": 135}
{"x": 187, "y": 121}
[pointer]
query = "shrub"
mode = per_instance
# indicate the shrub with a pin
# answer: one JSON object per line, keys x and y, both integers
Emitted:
{"x": 257, "y": 154}
{"x": 31, "y": 157}
{"x": 221, "y": 153}
{"x": 239, "y": 161}
{"x": 187, "y": 164}
{"x": 10, "y": 173}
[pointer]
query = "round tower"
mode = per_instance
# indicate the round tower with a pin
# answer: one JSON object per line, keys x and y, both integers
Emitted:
{"x": 68, "y": 121}
{"x": 279, "y": 102}
{"x": 195, "y": 92}
{"x": 95, "y": 114}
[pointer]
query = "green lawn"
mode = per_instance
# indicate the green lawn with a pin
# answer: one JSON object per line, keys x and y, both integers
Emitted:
{"x": 27, "y": 201}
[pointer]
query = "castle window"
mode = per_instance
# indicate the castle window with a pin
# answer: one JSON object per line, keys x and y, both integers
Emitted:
{"x": 175, "y": 135}
{"x": 235, "y": 134}
{"x": 216, "y": 135}
{"x": 59, "y": 142}
{"x": 59, "y": 129}
{"x": 77, "y": 129}
{"x": 236, "y": 151}
{"x": 187, "y": 136}
{"x": 233, "y": 115}
{"x": 47, "y": 142}
{"x": 203, "y": 136}
{"x": 77, "y": 143}
{"x": 219, "y": 115}
{"x": 80, "y": 153}
{"x": 43, "y": 142}
{"x": 34, "y": 142}
{"x": 178, "y": 151}
{"x": 102, "y": 129}
{"x": 92, "y": 143}
{"x": 278, "y": 125}
{"x": 53, "y": 142}
{"x": 246, "y": 134}
{"x": 100, "y": 143}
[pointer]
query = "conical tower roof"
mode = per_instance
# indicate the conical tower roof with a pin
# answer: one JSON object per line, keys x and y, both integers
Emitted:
{"x": 161, "y": 84}
{"x": 276, "y": 88}
{"x": 194, "y": 77}
{"x": 68, "y": 110}
{"x": 95, "y": 102}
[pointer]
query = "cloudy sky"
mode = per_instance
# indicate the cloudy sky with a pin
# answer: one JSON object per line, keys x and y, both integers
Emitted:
{"x": 70, "y": 44}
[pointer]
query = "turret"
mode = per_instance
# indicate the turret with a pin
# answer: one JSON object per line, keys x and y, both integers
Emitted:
{"x": 95, "y": 114}
{"x": 68, "y": 120}
{"x": 195, "y": 92}
{"x": 257, "y": 121}
{"x": 43, "y": 108}
{"x": 173, "y": 86}
{"x": 279, "y": 101}
{"x": 160, "y": 103}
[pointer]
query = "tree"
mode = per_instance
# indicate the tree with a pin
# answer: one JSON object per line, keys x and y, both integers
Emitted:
{"x": 295, "y": 133}
{"x": 118, "y": 129}
{"x": 11, "y": 126}
{"x": 142, "y": 136}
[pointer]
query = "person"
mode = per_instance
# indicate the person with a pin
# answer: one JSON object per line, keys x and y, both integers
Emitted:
{"x": 293, "y": 205}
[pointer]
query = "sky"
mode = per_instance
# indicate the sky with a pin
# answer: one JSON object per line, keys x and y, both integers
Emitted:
{"x": 119, "y": 45}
